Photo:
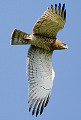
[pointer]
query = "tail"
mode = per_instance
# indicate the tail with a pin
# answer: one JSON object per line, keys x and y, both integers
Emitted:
{"x": 18, "y": 37}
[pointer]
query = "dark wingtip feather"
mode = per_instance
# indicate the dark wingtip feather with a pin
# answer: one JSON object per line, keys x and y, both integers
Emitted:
{"x": 30, "y": 107}
{"x": 42, "y": 107}
{"x": 51, "y": 6}
{"x": 65, "y": 14}
{"x": 38, "y": 108}
{"x": 37, "y": 112}
{"x": 63, "y": 7}
{"x": 48, "y": 8}
{"x": 59, "y": 8}
{"x": 33, "y": 112}
{"x": 55, "y": 5}
{"x": 56, "y": 9}
{"x": 35, "y": 106}
{"x": 47, "y": 101}
{"x": 59, "y": 4}
{"x": 41, "y": 111}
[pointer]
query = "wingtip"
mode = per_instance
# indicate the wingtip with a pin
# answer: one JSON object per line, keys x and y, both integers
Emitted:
{"x": 55, "y": 5}
{"x": 62, "y": 12}
{"x": 48, "y": 8}
{"x": 65, "y": 14}
{"x": 33, "y": 112}
{"x": 59, "y": 4}
{"x": 51, "y": 6}
{"x": 64, "y": 5}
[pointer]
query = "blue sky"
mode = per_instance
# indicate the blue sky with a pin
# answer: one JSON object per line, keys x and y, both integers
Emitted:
{"x": 65, "y": 100}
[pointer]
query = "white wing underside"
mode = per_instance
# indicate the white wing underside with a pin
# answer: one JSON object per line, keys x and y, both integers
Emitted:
{"x": 40, "y": 76}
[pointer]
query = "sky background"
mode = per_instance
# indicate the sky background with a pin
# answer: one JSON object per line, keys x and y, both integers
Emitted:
{"x": 65, "y": 100}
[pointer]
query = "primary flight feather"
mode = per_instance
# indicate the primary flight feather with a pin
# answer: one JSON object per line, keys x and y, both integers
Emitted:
{"x": 39, "y": 67}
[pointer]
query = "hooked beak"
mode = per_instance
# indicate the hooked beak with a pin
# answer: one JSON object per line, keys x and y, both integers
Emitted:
{"x": 58, "y": 45}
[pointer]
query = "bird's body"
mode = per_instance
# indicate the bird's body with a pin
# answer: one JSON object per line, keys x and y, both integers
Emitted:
{"x": 39, "y": 67}
{"x": 36, "y": 40}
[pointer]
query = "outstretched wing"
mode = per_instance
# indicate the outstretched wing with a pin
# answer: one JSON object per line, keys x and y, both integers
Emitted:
{"x": 50, "y": 22}
{"x": 40, "y": 76}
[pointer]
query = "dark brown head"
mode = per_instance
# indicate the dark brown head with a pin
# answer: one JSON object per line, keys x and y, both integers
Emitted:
{"x": 58, "y": 45}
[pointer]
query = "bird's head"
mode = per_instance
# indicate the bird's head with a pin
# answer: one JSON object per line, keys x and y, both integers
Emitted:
{"x": 58, "y": 45}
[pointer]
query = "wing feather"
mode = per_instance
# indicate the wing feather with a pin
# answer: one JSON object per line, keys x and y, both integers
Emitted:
{"x": 50, "y": 22}
{"x": 40, "y": 78}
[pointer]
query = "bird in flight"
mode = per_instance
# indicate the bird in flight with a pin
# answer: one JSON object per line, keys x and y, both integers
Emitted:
{"x": 39, "y": 67}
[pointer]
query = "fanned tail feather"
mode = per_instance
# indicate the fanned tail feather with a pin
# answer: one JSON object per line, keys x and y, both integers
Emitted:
{"x": 18, "y": 36}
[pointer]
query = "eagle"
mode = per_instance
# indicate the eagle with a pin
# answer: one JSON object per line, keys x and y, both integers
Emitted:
{"x": 42, "y": 42}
